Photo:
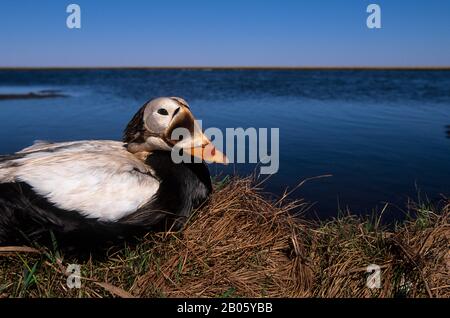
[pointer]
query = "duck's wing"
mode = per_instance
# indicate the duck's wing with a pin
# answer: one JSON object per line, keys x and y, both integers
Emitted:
{"x": 98, "y": 179}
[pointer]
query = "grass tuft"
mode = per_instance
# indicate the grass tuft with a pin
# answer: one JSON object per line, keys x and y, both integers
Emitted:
{"x": 240, "y": 244}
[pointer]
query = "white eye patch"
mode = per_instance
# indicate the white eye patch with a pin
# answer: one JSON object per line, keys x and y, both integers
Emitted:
{"x": 156, "y": 123}
{"x": 159, "y": 113}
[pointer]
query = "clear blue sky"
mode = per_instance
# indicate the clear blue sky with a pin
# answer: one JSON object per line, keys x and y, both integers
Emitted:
{"x": 225, "y": 33}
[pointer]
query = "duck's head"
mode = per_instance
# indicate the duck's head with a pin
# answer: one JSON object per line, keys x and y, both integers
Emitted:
{"x": 154, "y": 127}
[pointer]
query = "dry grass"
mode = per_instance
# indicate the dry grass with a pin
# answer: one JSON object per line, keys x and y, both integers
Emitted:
{"x": 242, "y": 245}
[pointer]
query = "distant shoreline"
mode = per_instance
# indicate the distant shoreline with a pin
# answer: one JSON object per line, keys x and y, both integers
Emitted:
{"x": 31, "y": 95}
{"x": 281, "y": 68}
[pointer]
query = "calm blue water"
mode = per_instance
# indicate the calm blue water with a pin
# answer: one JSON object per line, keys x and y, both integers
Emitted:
{"x": 381, "y": 134}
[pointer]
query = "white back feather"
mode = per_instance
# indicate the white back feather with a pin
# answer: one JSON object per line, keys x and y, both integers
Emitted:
{"x": 99, "y": 179}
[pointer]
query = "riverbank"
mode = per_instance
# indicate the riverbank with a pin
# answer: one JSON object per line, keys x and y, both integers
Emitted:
{"x": 242, "y": 245}
{"x": 32, "y": 95}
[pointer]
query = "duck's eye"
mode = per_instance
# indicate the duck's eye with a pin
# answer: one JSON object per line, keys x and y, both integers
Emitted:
{"x": 163, "y": 111}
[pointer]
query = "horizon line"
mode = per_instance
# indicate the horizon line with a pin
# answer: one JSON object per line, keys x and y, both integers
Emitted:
{"x": 237, "y": 67}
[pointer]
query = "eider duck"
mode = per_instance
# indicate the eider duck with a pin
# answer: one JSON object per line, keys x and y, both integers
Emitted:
{"x": 92, "y": 191}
